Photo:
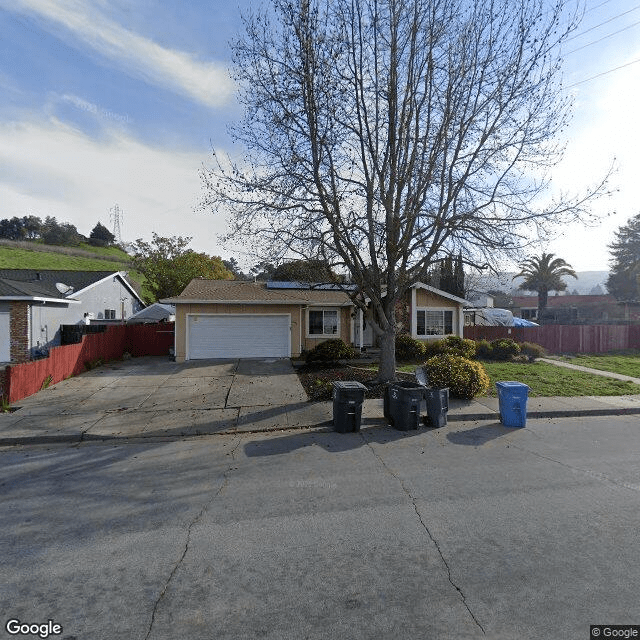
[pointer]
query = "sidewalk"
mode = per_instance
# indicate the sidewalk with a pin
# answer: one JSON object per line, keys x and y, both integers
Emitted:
{"x": 597, "y": 372}
{"x": 157, "y": 398}
{"x": 30, "y": 426}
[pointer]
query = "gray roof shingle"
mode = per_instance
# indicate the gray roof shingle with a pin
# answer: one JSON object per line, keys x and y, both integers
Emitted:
{"x": 42, "y": 282}
{"x": 202, "y": 290}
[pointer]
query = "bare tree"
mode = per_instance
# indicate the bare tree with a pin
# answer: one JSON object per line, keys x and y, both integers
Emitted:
{"x": 383, "y": 135}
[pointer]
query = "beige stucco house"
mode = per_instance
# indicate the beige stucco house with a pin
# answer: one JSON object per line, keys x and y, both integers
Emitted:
{"x": 237, "y": 319}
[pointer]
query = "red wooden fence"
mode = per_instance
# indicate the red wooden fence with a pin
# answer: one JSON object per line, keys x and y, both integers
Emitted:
{"x": 558, "y": 338}
{"x": 23, "y": 380}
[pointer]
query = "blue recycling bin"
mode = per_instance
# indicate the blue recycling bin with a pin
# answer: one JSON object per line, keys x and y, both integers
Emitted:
{"x": 512, "y": 399}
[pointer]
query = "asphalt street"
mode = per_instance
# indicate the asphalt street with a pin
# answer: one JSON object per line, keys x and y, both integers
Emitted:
{"x": 470, "y": 531}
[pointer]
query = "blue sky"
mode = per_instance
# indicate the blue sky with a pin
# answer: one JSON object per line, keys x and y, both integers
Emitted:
{"x": 114, "y": 101}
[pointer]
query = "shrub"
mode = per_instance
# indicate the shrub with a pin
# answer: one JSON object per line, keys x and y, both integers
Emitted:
{"x": 484, "y": 350}
{"x": 504, "y": 349}
{"x": 460, "y": 347}
{"x": 465, "y": 378}
{"x": 532, "y": 350}
{"x": 434, "y": 348}
{"x": 453, "y": 345}
{"x": 330, "y": 351}
{"x": 408, "y": 349}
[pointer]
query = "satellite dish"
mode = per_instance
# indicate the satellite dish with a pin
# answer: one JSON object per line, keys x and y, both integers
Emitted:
{"x": 63, "y": 288}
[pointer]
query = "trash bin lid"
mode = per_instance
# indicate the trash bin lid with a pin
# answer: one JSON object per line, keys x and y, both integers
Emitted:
{"x": 348, "y": 384}
{"x": 511, "y": 385}
{"x": 421, "y": 377}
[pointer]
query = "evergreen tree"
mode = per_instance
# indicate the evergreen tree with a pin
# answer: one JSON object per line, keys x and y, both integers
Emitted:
{"x": 458, "y": 277}
{"x": 447, "y": 277}
{"x": 100, "y": 236}
{"x": 25, "y": 228}
{"x": 624, "y": 278}
{"x": 64, "y": 234}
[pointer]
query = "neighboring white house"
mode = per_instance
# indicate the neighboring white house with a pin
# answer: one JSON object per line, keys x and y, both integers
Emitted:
{"x": 34, "y": 303}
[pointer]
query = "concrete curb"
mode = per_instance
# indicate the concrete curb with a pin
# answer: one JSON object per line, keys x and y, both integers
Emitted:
{"x": 77, "y": 438}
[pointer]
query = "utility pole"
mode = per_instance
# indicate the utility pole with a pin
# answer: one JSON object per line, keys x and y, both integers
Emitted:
{"x": 115, "y": 217}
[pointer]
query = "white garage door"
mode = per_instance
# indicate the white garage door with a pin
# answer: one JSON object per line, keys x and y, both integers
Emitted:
{"x": 238, "y": 336}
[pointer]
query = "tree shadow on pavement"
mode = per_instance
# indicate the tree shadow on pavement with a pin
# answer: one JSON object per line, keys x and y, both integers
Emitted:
{"x": 329, "y": 440}
{"x": 478, "y": 435}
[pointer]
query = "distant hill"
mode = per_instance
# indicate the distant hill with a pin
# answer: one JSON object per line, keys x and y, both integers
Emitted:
{"x": 587, "y": 282}
{"x": 34, "y": 255}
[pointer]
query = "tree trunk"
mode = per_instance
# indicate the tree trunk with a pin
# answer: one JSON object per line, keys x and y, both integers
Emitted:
{"x": 543, "y": 297}
{"x": 387, "y": 369}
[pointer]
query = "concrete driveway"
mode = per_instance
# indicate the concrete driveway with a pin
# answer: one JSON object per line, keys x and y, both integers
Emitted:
{"x": 471, "y": 531}
{"x": 154, "y": 395}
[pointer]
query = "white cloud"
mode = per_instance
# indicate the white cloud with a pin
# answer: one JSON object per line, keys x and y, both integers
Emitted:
{"x": 48, "y": 168}
{"x": 205, "y": 82}
{"x": 606, "y": 127}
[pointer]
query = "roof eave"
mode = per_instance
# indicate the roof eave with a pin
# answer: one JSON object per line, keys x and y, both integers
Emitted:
{"x": 38, "y": 299}
{"x": 441, "y": 293}
{"x": 306, "y": 303}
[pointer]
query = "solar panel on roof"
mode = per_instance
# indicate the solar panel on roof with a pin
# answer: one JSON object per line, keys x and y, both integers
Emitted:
{"x": 278, "y": 284}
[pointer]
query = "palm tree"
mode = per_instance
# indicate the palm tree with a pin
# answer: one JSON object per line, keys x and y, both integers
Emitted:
{"x": 544, "y": 274}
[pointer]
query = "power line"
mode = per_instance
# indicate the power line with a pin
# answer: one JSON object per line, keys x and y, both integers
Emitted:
{"x": 597, "y": 6}
{"x": 635, "y": 24}
{"x": 578, "y": 35}
{"x": 604, "y": 73}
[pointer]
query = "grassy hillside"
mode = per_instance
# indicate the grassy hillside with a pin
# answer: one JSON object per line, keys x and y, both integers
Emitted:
{"x": 89, "y": 259}
{"x": 11, "y": 258}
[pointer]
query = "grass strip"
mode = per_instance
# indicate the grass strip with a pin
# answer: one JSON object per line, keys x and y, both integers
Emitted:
{"x": 627, "y": 364}
{"x": 547, "y": 380}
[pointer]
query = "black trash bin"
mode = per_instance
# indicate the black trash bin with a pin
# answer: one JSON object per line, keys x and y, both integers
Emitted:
{"x": 402, "y": 404}
{"x": 348, "y": 397}
{"x": 437, "y": 406}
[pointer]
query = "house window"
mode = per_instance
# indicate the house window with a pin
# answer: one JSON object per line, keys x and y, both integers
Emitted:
{"x": 109, "y": 314}
{"x": 432, "y": 322}
{"x": 529, "y": 314}
{"x": 323, "y": 322}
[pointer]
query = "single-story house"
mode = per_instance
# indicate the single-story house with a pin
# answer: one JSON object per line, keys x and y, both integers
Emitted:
{"x": 34, "y": 303}
{"x": 238, "y": 319}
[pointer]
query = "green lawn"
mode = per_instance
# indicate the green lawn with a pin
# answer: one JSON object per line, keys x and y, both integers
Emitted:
{"x": 627, "y": 363}
{"x": 548, "y": 380}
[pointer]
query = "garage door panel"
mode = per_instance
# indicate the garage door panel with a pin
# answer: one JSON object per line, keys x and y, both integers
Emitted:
{"x": 239, "y": 336}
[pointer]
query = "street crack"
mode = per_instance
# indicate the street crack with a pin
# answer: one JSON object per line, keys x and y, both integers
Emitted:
{"x": 426, "y": 528}
{"x": 192, "y": 524}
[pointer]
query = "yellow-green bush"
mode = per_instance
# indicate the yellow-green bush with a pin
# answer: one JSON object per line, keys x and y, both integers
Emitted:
{"x": 408, "y": 349}
{"x": 465, "y": 378}
{"x": 458, "y": 346}
{"x": 330, "y": 351}
{"x": 483, "y": 349}
{"x": 504, "y": 349}
{"x": 532, "y": 350}
{"x": 453, "y": 345}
